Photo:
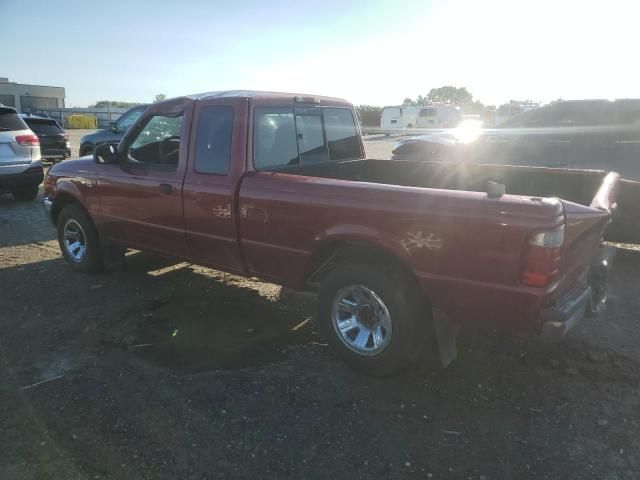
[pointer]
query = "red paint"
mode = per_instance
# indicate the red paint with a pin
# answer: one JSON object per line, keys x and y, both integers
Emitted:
{"x": 465, "y": 250}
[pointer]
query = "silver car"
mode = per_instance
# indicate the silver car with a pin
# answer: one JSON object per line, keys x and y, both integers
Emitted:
{"x": 20, "y": 163}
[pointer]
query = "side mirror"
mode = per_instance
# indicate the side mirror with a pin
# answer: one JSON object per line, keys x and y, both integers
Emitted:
{"x": 106, "y": 153}
{"x": 113, "y": 127}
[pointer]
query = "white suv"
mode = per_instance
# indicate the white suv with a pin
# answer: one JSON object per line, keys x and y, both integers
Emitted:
{"x": 20, "y": 164}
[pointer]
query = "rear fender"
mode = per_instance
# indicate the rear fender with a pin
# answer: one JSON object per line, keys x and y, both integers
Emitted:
{"x": 356, "y": 243}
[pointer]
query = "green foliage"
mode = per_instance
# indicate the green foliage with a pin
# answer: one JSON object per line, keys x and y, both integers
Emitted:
{"x": 419, "y": 102}
{"x": 367, "y": 108}
{"x": 474, "y": 108}
{"x": 446, "y": 94}
{"x": 449, "y": 94}
{"x": 159, "y": 97}
{"x": 114, "y": 104}
{"x": 368, "y": 114}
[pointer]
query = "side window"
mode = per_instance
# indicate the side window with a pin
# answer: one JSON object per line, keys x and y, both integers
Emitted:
{"x": 311, "y": 138}
{"x": 342, "y": 137}
{"x": 627, "y": 113}
{"x": 532, "y": 118}
{"x": 213, "y": 140}
{"x": 274, "y": 138}
{"x": 127, "y": 120}
{"x": 282, "y": 136}
{"x": 158, "y": 143}
{"x": 566, "y": 115}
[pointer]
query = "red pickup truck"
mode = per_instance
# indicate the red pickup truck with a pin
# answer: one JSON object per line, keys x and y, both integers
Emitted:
{"x": 277, "y": 186}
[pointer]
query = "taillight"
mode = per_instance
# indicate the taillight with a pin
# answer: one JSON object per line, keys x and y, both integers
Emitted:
{"x": 541, "y": 257}
{"x": 28, "y": 140}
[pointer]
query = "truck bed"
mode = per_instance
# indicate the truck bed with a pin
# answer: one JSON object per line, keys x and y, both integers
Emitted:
{"x": 576, "y": 186}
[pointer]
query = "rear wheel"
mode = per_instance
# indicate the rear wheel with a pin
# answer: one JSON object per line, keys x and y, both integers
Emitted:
{"x": 78, "y": 239}
{"x": 373, "y": 317}
{"x": 25, "y": 194}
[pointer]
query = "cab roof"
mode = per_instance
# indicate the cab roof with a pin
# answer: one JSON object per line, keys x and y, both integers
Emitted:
{"x": 259, "y": 94}
{"x": 175, "y": 106}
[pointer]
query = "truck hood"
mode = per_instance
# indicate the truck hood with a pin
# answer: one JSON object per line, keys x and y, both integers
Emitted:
{"x": 78, "y": 166}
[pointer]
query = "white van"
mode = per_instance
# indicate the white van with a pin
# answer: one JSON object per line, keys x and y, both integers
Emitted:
{"x": 430, "y": 116}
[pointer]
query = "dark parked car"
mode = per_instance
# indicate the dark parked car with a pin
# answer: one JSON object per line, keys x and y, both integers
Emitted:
{"x": 582, "y": 134}
{"x": 54, "y": 141}
{"x": 113, "y": 134}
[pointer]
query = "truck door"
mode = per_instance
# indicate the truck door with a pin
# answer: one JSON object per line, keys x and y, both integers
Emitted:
{"x": 141, "y": 196}
{"x": 217, "y": 151}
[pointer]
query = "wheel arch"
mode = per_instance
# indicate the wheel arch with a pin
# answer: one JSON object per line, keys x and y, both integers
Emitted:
{"x": 62, "y": 199}
{"x": 84, "y": 146}
{"x": 334, "y": 250}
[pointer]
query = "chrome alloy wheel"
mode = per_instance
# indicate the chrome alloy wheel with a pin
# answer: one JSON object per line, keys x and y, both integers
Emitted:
{"x": 361, "y": 320}
{"x": 75, "y": 241}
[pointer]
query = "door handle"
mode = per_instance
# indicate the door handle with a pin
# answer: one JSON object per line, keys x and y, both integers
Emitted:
{"x": 165, "y": 188}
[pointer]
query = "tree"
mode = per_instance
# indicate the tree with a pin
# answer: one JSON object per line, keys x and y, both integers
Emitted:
{"x": 113, "y": 103}
{"x": 449, "y": 94}
{"x": 475, "y": 108}
{"x": 368, "y": 115}
{"x": 159, "y": 97}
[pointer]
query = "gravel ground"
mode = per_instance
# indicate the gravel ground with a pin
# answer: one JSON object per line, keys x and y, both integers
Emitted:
{"x": 178, "y": 371}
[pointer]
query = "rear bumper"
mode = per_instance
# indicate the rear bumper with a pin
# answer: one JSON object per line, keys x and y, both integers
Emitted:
{"x": 33, "y": 176}
{"x": 56, "y": 153}
{"x": 566, "y": 314}
{"x": 587, "y": 297}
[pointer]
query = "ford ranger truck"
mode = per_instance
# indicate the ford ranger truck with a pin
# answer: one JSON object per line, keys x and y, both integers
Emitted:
{"x": 277, "y": 186}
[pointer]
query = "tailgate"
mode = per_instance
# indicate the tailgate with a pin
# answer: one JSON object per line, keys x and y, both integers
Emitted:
{"x": 584, "y": 230}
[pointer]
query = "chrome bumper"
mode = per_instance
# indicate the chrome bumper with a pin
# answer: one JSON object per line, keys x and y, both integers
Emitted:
{"x": 590, "y": 299}
{"x": 557, "y": 321}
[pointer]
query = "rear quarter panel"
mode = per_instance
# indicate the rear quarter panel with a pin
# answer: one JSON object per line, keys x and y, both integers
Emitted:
{"x": 464, "y": 248}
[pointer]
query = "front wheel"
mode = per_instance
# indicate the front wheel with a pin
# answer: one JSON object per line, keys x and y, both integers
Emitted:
{"x": 373, "y": 317}
{"x": 79, "y": 241}
{"x": 86, "y": 150}
{"x": 25, "y": 194}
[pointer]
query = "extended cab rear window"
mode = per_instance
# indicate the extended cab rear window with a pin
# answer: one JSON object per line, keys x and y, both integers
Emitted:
{"x": 10, "y": 121}
{"x": 302, "y": 136}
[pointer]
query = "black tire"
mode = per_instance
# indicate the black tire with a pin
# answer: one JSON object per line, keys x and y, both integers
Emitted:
{"x": 86, "y": 150}
{"x": 91, "y": 261}
{"x": 25, "y": 194}
{"x": 410, "y": 317}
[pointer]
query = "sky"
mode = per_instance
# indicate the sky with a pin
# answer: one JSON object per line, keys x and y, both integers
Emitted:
{"x": 373, "y": 52}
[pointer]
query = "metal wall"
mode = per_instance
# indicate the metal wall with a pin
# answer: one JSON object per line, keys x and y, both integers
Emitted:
{"x": 103, "y": 114}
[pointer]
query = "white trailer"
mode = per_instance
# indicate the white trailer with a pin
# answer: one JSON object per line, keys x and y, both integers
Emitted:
{"x": 429, "y": 116}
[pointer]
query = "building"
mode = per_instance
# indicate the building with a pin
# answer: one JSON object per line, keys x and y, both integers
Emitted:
{"x": 30, "y": 98}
